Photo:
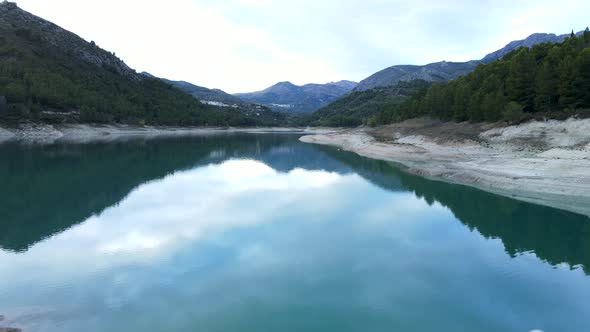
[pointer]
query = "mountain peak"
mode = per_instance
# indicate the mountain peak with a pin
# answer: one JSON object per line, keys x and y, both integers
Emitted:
{"x": 8, "y": 4}
{"x": 285, "y": 83}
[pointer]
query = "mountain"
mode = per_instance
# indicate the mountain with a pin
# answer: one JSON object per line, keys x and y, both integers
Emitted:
{"x": 52, "y": 75}
{"x": 434, "y": 72}
{"x": 448, "y": 71}
{"x": 287, "y": 96}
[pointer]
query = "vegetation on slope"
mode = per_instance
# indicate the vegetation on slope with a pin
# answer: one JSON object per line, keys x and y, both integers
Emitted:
{"x": 51, "y": 75}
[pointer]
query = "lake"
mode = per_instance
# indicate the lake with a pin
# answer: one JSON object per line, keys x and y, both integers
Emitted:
{"x": 237, "y": 232}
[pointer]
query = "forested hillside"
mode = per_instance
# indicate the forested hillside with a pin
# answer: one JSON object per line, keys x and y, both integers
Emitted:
{"x": 550, "y": 80}
{"x": 51, "y": 75}
{"x": 358, "y": 107}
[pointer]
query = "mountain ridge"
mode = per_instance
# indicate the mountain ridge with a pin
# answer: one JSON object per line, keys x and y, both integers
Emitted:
{"x": 307, "y": 98}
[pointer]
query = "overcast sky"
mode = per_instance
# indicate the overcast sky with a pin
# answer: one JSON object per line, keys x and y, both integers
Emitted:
{"x": 248, "y": 45}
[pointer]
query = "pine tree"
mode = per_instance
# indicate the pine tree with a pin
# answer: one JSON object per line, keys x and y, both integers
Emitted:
{"x": 547, "y": 83}
{"x": 461, "y": 101}
{"x": 567, "y": 75}
{"x": 581, "y": 82}
{"x": 520, "y": 84}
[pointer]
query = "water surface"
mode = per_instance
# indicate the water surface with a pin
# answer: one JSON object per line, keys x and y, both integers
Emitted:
{"x": 263, "y": 233}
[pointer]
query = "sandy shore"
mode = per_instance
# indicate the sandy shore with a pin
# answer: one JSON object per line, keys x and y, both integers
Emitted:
{"x": 541, "y": 162}
{"x": 81, "y": 133}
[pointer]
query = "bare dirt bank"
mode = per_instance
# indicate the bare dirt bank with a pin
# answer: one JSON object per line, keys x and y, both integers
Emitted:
{"x": 541, "y": 162}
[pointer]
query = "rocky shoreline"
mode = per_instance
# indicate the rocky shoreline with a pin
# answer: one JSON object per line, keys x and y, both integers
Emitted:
{"x": 546, "y": 163}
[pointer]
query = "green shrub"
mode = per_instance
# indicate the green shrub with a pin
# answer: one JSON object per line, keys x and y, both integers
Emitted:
{"x": 513, "y": 113}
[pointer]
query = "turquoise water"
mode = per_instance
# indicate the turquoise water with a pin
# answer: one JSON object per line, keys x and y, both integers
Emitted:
{"x": 263, "y": 233}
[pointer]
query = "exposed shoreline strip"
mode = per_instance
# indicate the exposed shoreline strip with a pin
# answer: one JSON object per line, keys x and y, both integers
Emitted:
{"x": 84, "y": 133}
{"x": 523, "y": 162}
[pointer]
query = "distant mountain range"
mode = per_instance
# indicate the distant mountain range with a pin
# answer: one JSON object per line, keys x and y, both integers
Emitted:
{"x": 286, "y": 96}
{"x": 218, "y": 98}
{"x": 448, "y": 71}
{"x": 201, "y": 93}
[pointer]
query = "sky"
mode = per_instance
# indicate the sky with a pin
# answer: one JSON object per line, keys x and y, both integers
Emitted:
{"x": 248, "y": 45}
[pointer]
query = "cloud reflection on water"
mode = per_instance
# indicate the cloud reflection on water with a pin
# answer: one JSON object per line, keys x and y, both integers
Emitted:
{"x": 202, "y": 203}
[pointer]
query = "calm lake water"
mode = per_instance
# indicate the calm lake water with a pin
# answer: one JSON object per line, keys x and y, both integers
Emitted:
{"x": 263, "y": 233}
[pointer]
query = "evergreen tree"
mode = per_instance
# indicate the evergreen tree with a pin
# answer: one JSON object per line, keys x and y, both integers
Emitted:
{"x": 520, "y": 83}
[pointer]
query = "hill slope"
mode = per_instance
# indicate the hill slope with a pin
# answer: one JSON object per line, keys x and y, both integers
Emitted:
{"x": 287, "y": 96}
{"x": 358, "y": 107}
{"x": 52, "y": 75}
{"x": 448, "y": 71}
